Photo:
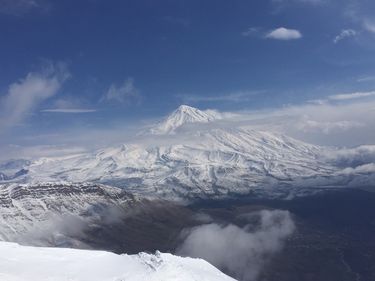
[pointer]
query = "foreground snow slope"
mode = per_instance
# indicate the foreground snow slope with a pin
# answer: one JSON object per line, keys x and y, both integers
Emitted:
{"x": 21, "y": 263}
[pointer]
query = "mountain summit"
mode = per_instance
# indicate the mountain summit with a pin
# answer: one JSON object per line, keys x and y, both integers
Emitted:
{"x": 184, "y": 114}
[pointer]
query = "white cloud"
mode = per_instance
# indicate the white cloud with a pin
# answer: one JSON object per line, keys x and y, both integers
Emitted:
{"x": 242, "y": 251}
{"x": 283, "y": 33}
{"x": 327, "y": 127}
{"x": 350, "y": 96}
{"x": 369, "y": 25}
{"x": 126, "y": 93}
{"x": 357, "y": 165}
{"x": 352, "y": 157}
{"x": 345, "y": 33}
{"x": 365, "y": 79}
{"x": 68, "y": 110}
{"x": 360, "y": 13}
{"x": 37, "y": 151}
{"x": 336, "y": 121}
{"x": 24, "y": 96}
{"x": 362, "y": 169}
{"x": 250, "y": 31}
{"x": 344, "y": 97}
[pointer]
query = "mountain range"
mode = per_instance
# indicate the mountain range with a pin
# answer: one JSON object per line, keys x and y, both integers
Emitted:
{"x": 194, "y": 154}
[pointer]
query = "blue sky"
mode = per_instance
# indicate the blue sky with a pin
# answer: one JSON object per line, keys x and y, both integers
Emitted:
{"x": 95, "y": 64}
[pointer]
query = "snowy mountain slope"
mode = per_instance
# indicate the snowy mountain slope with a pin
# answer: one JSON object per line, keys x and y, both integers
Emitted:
{"x": 42, "y": 264}
{"x": 180, "y": 159}
{"x": 24, "y": 208}
{"x": 209, "y": 163}
{"x": 13, "y": 168}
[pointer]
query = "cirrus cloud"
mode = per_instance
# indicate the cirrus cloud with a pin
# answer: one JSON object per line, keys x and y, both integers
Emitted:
{"x": 250, "y": 31}
{"x": 125, "y": 93}
{"x": 345, "y": 33}
{"x": 26, "y": 94}
{"x": 369, "y": 25}
{"x": 68, "y": 110}
{"x": 350, "y": 96}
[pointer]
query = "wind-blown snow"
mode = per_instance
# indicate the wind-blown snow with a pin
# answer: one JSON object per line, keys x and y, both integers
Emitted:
{"x": 21, "y": 263}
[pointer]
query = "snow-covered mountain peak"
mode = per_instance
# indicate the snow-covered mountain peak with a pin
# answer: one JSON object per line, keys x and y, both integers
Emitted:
{"x": 186, "y": 108}
{"x": 184, "y": 114}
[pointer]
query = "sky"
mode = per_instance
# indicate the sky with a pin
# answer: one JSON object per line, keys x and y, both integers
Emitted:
{"x": 72, "y": 72}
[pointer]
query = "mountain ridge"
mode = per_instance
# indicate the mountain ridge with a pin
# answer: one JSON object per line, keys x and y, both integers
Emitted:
{"x": 201, "y": 163}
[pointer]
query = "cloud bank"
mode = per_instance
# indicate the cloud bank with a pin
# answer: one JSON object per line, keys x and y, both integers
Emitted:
{"x": 338, "y": 120}
{"x": 353, "y": 157}
{"x": 241, "y": 251}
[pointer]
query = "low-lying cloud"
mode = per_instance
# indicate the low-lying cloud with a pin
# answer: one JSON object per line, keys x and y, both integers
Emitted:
{"x": 55, "y": 230}
{"x": 69, "y": 229}
{"x": 340, "y": 120}
{"x": 327, "y": 127}
{"x": 352, "y": 157}
{"x": 240, "y": 251}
